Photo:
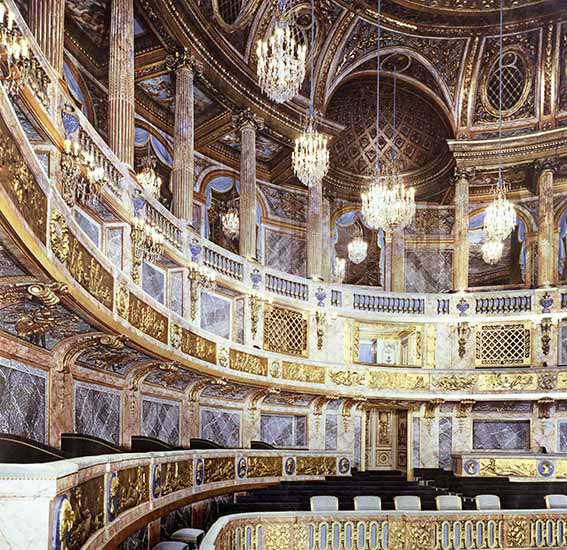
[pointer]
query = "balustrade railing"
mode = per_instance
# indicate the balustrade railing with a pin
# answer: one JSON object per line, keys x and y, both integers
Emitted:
{"x": 389, "y": 304}
{"x": 286, "y": 287}
{"x": 504, "y": 304}
{"x": 221, "y": 263}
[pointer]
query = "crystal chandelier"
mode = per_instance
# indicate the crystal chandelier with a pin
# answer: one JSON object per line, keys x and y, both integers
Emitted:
{"x": 339, "y": 269}
{"x": 310, "y": 156}
{"x": 499, "y": 217}
{"x": 231, "y": 223}
{"x": 358, "y": 247}
{"x": 147, "y": 240}
{"x": 281, "y": 60}
{"x": 492, "y": 251}
{"x": 148, "y": 176}
{"x": 387, "y": 204}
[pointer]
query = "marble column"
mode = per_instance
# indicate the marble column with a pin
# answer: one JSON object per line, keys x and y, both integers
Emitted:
{"x": 315, "y": 232}
{"x": 398, "y": 261}
{"x": 183, "y": 174}
{"x": 61, "y": 413}
{"x": 545, "y": 254}
{"x": 47, "y": 22}
{"x": 121, "y": 81}
{"x": 248, "y": 124}
{"x": 461, "y": 233}
{"x": 326, "y": 267}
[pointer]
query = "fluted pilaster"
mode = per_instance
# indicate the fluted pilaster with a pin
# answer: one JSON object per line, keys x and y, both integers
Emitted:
{"x": 248, "y": 124}
{"x": 121, "y": 81}
{"x": 398, "y": 262}
{"x": 47, "y": 22}
{"x": 545, "y": 226}
{"x": 461, "y": 232}
{"x": 315, "y": 232}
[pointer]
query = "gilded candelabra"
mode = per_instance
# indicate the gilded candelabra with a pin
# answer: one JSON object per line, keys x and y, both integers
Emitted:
{"x": 546, "y": 325}
{"x": 200, "y": 278}
{"x": 321, "y": 324}
{"x": 255, "y": 301}
{"x": 463, "y": 331}
{"x": 147, "y": 244}
{"x": 70, "y": 171}
{"x": 15, "y": 56}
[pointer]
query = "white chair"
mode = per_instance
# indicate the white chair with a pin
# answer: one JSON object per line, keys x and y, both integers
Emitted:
{"x": 189, "y": 535}
{"x": 407, "y": 503}
{"x": 449, "y": 503}
{"x": 324, "y": 504}
{"x": 556, "y": 501}
{"x": 170, "y": 545}
{"x": 487, "y": 502}
{"x": 367, "y": 504}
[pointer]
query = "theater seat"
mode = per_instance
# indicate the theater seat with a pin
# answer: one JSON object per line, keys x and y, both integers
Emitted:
{"x": 324, "y": 504}
{"x": 170, "y": 545}
{"x": 556, "y": 501}
{"x": 189, "y": 535}
{"x": 367, "y": 504}
{"x": 407, "y": 503}
{"x": 487, "y": 502}
{"x": 448, "y": 503}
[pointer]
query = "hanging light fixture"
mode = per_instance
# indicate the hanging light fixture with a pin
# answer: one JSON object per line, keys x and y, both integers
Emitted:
{"x": 147, "y": 240}
{"x": 387, "y": 204}
{"x": 281, "y": 60}
{"x": 357, "y": 247}
{"x": 231, "y": 222}
{"x": 339, "y": 269}
{"x": 499, "y": 216}
{"x": 310, "y": 157}
{"x": 492, "y": 251}
{"x": 148, "y": 176}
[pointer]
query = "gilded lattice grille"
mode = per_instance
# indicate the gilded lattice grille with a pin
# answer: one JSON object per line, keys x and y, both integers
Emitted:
{"x": 285, "y": 331}
{"x": 503, "y": 344}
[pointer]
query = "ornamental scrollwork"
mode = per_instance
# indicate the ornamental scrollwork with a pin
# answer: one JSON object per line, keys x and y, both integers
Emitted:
{"x": 303, "y": 373}
{"x": 59, "y": 236}
{"x": 348, "y": 377}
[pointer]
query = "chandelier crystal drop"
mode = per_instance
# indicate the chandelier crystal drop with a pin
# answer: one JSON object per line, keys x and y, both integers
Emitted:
{"x": 339, "y": 269}
{"x": 231, "y": 223}
{"x": 357, "y": 248}
{"x": 148, "y": 177}
{"x": 492, "y": 251}
{"x": 281, "y": 61}
{"x": 310, "y": 157}
{"x": 499, "y": 216}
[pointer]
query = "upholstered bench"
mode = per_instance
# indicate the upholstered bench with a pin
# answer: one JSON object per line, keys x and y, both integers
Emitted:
{"x": 170, "y": 545}
{"x": 188, "y": 535}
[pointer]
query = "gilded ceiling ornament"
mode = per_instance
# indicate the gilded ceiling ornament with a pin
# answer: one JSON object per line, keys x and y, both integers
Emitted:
{"x": 47, "y": 294}
{"x": 59, "y": 236}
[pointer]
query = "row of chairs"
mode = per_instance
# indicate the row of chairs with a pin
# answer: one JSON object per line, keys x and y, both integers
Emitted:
{"x": 411, "y": 503}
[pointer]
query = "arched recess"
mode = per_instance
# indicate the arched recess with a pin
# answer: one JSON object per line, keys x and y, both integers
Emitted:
{"x": 371, "y": 270}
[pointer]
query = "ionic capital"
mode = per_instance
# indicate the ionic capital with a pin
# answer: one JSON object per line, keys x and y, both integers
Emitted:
{"x": 183, "y": 59}
{"x": 464, "y": 174}
{"x": 245, "y": 118}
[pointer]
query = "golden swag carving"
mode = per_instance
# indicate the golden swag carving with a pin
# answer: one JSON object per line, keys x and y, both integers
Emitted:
{"x": 395, "y": 380}
{"x": 303, "y": 373}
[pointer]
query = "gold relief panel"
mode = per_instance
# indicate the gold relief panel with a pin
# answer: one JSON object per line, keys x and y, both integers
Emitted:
{"x": 147, "y": 319}
{"x": 122, "y": 301}
{"x": 21, "y": 186}
{"x": 176, "y": 476}
{"x": 251, "y": 364}
{"x": 562, "y": 381}
{"x": 398, "y": 381}
{"x": 303, "y": 373}
{"x": 348, "y": 377}
{"x": 264, "y": 466}
{"x": 316, "y": 465}
{"x": 286, "y": 330}
{"x": 199, "y": 347}
{"x": 560, "y": 468}
{"x": 219, "y": 469}
{"x": 454, "y": 383}
{"x": 87, "y": 502}
{"x": 507, "y": 382}
{"x": 88, "y": 272}
{"x": 507, "y": 467}
{"x": 133, "y": 488}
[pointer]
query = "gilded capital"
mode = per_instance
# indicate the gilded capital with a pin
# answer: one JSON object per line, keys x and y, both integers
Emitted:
{"x": 183, "y": 59}
{"x": 245, "y": 118}
{"x": 546, "y": 164}
{"x": 465, "y": 173}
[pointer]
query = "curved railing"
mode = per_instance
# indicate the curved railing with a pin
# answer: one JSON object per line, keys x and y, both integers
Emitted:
{"x": 470, "y": 530}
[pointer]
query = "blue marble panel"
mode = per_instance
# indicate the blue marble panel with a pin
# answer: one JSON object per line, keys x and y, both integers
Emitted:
{"x": 153, "y": 282}
{"x": 160, "y": 419}
{"x": 301, "y": 431}
{"x": 334, "y": 405}
{"x": 136, "y": 541}
{"x": 501, "y": 435}
{"x": 562, "y": 435}
{"x": 215, "y": 314}
{"x": 89, "y": 226}
{"x": 222, "y": 427}
{"x": 357, "y": 441}
{"x": 114, "y": 243}
{"x": 445, "y": 442}
{"x": 176, "y": 292}
{"x": 331, "y": 432}
{"x": 23, "y": 400}
{"x": 97, "y": 412}
{"x": 416, "y": 443}
{"x": 429, "y": 270}
{"x": 277, "y": 429}
{"x": 285, "y": 252}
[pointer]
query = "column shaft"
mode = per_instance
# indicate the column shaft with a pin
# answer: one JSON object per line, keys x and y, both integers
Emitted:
{"x": 461, "y": 235}
{"x": 315, "y": 232}
{"x": 47, "y": 22}
{"x": 248, "y": 191}
{"x": 121, "y": 81}
{"x": 398, "y": 263}
{"x": 326, "y": 267}
{"x": 545, "y": 254}
{"x": 182, "y": 174}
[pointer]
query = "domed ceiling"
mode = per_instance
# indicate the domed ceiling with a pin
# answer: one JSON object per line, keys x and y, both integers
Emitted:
{"x": 421, "y": 130}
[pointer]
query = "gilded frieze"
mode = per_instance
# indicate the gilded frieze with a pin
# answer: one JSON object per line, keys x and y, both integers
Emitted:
{"x": 176, "y": 476}
{"x": 507, "y": 467}
{"x": 88, "y": 272}
{"x": 251, "y": 364}
{"x": 454, "y": 383}
{"x": 316, "y": 465}
{"x": 517, "y": 533}
{"x": 398, "y": 381}
{"x": 348, "y": 377}
{"x": 147, "y": 319}
{"x": 122, "y": 301}
{"x": 87, "y": 502}
{"x": 303, "y": 373}
{"x": 21, "y": 186}
{"x": 199, "y": 347}
{"x": 265, "y": 466}
{"x": 561, "y": 469}
{"x": 507, "y": 382}
{"x": 219, "y": 469}
{"x": 132, "y": 488}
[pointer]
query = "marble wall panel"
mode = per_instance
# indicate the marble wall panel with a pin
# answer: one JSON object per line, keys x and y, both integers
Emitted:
{"x": 153, "y": 282}
{"x": 89, "y": 227}
{"x": 445, "y": 442}
{"x": 114, "y": 244}
{"x": 285, "y": 204}
{"x": 501, "y": 435}
{"x": 160, "y": 419}
{"x": 429, "y": 270}
{"x": 239, "y": 320}
{"x": 178, "y": 519}
{"x": 23, "y": 400}
{"x": 563, "y": 344}
{"x": 301, "y": 431}
{"x": 416, "y": 442}
{"x": 357, "y": 441}
{"x": 331, "y": 432}
{"x": 277, "y": 429}
{"x": 136, "y": 541}
{"x": 285, "y": 252}
{"x": 503, "y": 406}
{"x": 215, "y": 314}
{"x": 176, "y": 292}
{"x": 97, "y": 412}
{"x": 561, "y": 406}
{"x": 562, "y": 435}
{"x": 221, "y": 426}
